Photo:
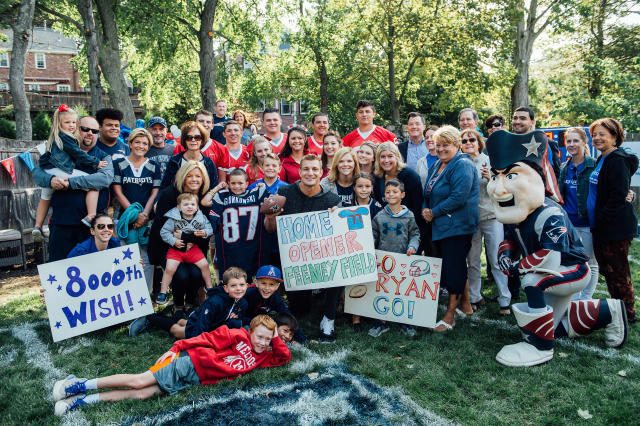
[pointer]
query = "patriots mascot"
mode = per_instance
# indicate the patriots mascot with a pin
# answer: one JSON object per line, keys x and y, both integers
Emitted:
{"x": 542, "y": 247}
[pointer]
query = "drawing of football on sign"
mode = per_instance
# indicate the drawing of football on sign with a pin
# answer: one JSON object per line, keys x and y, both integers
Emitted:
{"x": 358, "y": 291}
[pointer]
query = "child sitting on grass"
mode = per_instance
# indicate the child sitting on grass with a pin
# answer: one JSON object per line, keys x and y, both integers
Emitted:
{"x": 189, "y": 222}
{"x": 395, "y": 230}
{"x": 205, "y": 359}
{"x": 224, "y": 305}
{"x": 263, "y": 298}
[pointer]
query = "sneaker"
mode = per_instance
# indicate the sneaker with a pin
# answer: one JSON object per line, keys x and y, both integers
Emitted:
{"x": 616, "y": 331}
{"x": 328, "y": 338}
{"x": 444, "y": 292}
{"x": 68, "y": 387}
{"x": 162, "y": 298}
{"x": 357, "y": 327}
{"x": 138, "y": 326}
{"x": 408, "y": 330}
{"x": 68, "y": 404}
{"x": 86, "y": 221}
{"x": 378, "y": 329}
{"x": 37, "y": 234}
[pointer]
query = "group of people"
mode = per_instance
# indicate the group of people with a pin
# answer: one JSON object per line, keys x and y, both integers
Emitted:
{"x": 202, "y": 195}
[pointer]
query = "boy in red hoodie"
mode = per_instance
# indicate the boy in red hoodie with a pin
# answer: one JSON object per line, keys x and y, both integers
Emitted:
{"x": 206, "y": 359}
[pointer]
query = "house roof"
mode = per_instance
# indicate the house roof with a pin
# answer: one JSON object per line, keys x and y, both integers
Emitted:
{"x": 45, "y": 40}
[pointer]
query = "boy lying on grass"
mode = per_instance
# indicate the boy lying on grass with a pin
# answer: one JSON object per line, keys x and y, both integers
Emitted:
{"x": 206, "y": 359}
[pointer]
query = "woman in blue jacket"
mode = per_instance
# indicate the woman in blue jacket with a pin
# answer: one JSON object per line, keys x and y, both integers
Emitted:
{"x": 101, "y": 237}
{"x": 451, "y": 205}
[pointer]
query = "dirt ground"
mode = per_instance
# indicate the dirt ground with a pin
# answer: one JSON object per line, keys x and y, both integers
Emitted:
{"x": 16, "y": 282}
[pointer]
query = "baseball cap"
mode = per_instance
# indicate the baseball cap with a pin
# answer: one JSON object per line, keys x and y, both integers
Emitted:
{"x": 269, "y": 271}
{"x": 156, "y": 120}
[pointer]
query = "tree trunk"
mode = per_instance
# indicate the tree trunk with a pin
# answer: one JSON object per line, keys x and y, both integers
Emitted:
{"x": 525, "y": 36}
{"x": 22, "y": 28}
{"x": 109, "y": 60}
{"x": 393, "y": 96}
{"x": 85, "y": 8}
{"x": 207, "y": 56}
{"x": 324, "y": 79}
{"x": 594, "y": 75}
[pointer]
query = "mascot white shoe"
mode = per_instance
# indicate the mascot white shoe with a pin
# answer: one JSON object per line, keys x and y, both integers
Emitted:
{"x": 542, "y": 246}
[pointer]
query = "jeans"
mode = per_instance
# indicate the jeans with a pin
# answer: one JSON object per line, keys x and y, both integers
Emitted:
{"x": 587, "y": 242}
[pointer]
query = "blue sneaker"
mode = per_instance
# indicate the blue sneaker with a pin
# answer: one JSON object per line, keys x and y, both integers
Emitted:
{"x": 162, "y": 299}
{"x": 68, "y": 387}
{"x": 408, "y": 330}
{"x": 378, "y": 329}
{"x": 64, "y": 406}
{"x": 138, "y": 326}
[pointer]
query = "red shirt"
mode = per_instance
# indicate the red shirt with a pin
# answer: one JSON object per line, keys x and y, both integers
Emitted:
{"x": 290, "y": 172}
{"x": 254, "y": 174}
{"x": 314, "y": 146}
{"x": 213, "y": 149}
{"x": 239, "y": 162}
{"x": 378, "y": 135}
{"x": 276, "y": 145}
{"x": 226, "y": 354}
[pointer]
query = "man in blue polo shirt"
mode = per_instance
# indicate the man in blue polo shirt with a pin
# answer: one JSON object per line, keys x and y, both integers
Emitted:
{"x": 219, "y": 118}
{"x": 109, "y": 121}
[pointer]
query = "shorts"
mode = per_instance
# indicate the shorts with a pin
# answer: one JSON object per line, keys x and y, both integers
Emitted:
{"x": 175, "y": 375}
{"x": 193, "y": 255}
{"x": 47, "y": 193}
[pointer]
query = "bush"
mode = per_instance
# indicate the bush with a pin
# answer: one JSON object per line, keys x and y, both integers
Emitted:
{"x": 8, "y": 112}
{"x": 41, "y": 126}
{"x": 7, "y": 129}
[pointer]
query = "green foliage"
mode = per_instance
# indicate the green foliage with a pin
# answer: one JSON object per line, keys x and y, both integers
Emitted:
{"x": 41, "y": 126}
{"x": 7, "y": 128}
{"x": 8, "y": 112}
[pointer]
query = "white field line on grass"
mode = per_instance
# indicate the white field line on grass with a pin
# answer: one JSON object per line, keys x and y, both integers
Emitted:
{"x": 313, "y": 360}
{"x": 606, "y": 294}
{"x": 38, "y": 356}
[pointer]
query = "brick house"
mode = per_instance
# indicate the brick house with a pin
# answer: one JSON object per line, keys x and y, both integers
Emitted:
{"x": 48, "y": 66}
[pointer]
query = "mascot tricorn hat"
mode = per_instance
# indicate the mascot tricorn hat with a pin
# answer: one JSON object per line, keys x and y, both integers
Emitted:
{"x": 506, "y": 148}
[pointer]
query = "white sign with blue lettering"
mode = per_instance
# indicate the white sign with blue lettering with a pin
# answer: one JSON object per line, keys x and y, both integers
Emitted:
{"x": 326, "y": 249}
{"x": 94, "y": 291}
{"x": 406, "y": 291}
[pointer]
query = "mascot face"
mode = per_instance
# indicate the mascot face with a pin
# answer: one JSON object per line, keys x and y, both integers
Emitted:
{"x": 516, "y": 191}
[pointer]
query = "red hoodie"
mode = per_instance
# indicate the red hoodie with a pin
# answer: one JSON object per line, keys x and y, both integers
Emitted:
{"x": 226, "y": 354}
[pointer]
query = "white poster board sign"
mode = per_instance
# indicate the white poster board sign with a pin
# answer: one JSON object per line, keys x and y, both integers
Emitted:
{"x": 326, "y": 249}
{"x": 94, "y": 291}
{"x": 406, "y": 290}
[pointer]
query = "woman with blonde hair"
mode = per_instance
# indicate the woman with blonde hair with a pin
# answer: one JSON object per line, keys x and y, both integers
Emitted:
{"x": 329, "y": 149}
{"x": 340, "y": 179}
{"x": 367, "y": 156}
{"x": 260, "y": 147}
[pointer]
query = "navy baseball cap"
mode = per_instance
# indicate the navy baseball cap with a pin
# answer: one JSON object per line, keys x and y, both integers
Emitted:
{"x": 157, "y": 120}
{"x": 269, "y": 271}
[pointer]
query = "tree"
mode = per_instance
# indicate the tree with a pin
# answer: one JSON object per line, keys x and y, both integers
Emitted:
{"x": 41, "y": 126}
{"x": 21, "y": 22}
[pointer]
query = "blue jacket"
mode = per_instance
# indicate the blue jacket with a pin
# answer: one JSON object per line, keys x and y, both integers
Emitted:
{"x": 130, "y": 235}
{"x": 272, "y": 306}
{"x": 214, "y": 312}
{"x": 583, "y": 184}
{"x": 69, "y": 157}
{"x": 453, "y": 198}
{"x": 89, "y": 246}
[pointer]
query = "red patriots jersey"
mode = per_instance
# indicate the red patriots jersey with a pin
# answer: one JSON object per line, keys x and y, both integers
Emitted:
{"x": 315, "y": 147}
{"x": 378, "y": 135}
{"x": 276, "y": 144}
{"x": 239, "y": 162}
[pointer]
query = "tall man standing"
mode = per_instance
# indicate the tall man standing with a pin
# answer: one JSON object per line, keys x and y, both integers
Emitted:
{"x": 415, "y": 147}
{"x": 320, "y": 124}
{"x": 159, "y": 150}
{"x": 271, "y": 123}
{"x": 238, "y": 154}
{"x": 468, "y": 119}
{"x": 367, "y": 131}
{"x": 109, "y": 121}
{"x": 218, "y": 121}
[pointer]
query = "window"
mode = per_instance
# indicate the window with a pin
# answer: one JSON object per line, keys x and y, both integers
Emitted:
{"x": 34, "y": 87}
{"x": 263, "y": 105}
{"x": 304, "y": 107}
{"x": 4, "y": 86}
{"x": 285, "y": 107}
{"x": 41, "y": 62}
{"x": 4, "y": 60}
{"x": 64, "y": 88}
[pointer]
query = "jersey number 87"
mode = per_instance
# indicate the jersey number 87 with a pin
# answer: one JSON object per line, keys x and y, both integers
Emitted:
{"x": 231, "y": 222}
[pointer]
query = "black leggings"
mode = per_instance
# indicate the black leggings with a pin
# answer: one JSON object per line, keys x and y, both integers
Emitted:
{"x": 185, "y": 284}
{"x": 454, "y": 252}
{"x": 300, "y": 302}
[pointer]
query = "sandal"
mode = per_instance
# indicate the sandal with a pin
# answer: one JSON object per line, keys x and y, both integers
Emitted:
{"x": 506, "y": 311}
{"x": 447, "y": 327}
{"x": 477, "y": 305}
{"x": 464, "y": 314}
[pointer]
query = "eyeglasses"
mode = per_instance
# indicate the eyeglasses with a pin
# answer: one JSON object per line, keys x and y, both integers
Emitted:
{"x": 495, "y": 124}
{"x": 193, "y": 138}
{"x": 469, "y": 140}
{"x": 88, "y": 129}
{"x": 101, "y": 226}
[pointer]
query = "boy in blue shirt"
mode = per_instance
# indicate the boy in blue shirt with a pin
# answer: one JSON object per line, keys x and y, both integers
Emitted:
{"x": 270, "y": 168}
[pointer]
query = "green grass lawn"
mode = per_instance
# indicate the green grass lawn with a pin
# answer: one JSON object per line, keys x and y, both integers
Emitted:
{"x": 453, "y": 375}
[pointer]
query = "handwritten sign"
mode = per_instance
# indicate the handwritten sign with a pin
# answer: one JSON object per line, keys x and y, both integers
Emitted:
{"x": 94, "y": 291}
{"x": 326, "y": 249}
{"x": 406, "y": 290}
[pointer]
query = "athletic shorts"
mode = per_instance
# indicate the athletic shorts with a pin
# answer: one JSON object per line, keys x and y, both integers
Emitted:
{"x": 193, "y": 255}
{"x": 175, "y": 375}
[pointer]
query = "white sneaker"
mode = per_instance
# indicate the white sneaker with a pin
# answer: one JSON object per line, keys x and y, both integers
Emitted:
{"x": 68, "y": 387}
{"x": 615, "y": 332}
{"x": 64, "y": 406}
{"x": 523, "y": 354}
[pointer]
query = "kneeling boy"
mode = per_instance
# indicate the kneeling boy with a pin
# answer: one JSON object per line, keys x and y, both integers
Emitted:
{"x": 205, "y": 359}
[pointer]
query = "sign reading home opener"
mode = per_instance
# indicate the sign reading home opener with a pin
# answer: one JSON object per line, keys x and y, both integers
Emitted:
{"x": 326, "y": 249}
{"x": 94, "y": 291}
{"x": 406, "y": 290}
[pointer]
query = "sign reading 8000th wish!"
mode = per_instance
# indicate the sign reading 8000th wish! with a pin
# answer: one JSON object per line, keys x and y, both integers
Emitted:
{"x": 326, "y": 249}
{"x": 97, "y": 290}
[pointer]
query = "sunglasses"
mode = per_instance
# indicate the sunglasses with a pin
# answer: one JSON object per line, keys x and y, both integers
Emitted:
{"x": 469, "y": 141}
{"x": 495, "y": 124}
{"x": 193, "y": 138}
{"x": 88, "y": 129}
{"x": 101, "y": 226}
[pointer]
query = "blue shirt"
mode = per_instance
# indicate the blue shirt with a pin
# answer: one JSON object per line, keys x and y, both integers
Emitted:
{"x": 593, "y": 192}
{"x": 431, "y": 159}
{"x": 416, "y": 152}
{"x": 218, "y": 128}
{"x": 138, "y": 183}
{"x": 571, "y": 195}
{"x": 271, "y": 189}
{"x": 118, "y": 150}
